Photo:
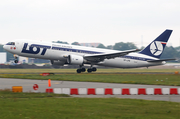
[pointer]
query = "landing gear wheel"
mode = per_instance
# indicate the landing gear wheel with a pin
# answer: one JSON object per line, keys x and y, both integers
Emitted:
{"x": 78, "y": 70}
{"x": 89, "y": 70}
{"x": 15, "y": 58}
{"x": 15, "y": 61}
{"x": 94, "y": 69}
{"x": 83, "y": 69}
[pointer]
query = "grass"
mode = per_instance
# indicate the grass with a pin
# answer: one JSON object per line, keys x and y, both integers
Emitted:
{"x": 45, "y": 106}
{"x": 149, "y": 79}
{"x": 115, "y": 70}
{"x": 7, "y": 93}
{"x": 89, "y": 108}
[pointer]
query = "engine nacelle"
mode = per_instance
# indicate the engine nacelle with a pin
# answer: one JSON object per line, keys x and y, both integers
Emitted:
{"x": 57, "y": 62}
{"x": 75, "y": 59}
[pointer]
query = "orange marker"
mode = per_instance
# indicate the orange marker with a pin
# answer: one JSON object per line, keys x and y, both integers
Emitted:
{"x": 49, "y": 82}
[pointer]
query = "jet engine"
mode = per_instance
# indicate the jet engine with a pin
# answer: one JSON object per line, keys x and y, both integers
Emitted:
{"x": 57, "y": 62}
{"x": 75, "y": 60}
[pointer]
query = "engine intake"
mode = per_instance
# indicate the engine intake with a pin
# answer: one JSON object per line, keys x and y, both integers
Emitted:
{"x": 75, "y": 59}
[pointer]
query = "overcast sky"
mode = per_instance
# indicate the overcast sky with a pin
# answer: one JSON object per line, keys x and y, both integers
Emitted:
{"x": 105, "y": 21}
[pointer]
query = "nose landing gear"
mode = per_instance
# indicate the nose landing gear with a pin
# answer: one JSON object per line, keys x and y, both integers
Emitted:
{"x": 16, "y": 59}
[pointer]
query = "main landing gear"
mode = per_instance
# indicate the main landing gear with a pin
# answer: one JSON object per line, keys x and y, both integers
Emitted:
{"x": 89, "y": 70}
{"x": 81, "y": 70}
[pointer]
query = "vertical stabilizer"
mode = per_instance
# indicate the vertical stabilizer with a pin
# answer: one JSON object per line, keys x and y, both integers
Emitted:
{"x": 156, "y": 47}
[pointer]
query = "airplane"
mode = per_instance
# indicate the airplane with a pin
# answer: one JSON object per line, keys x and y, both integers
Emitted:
{"x": 60, "y": 54}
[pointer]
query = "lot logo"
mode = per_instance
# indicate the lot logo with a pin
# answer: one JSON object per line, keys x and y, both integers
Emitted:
{"x": 34, "y": 48}
{"x": 156, "y": 48}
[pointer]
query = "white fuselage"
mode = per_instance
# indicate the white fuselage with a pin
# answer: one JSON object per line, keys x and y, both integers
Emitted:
{"x": 57, "y": 51}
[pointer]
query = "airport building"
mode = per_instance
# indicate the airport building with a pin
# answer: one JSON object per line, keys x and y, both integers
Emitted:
{"x": 23, "y": 60}
{"x": 3, "y": 57}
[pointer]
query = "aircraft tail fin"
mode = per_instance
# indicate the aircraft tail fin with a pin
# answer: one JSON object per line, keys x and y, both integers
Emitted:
{"x": 156, "y": 47}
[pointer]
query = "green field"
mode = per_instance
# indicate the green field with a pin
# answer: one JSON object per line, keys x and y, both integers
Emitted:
{"x": 46, "y": 106}
{"x": 115, "y": 70}
{"x": 32, "y": 106}
{"x": 104, "y": 75}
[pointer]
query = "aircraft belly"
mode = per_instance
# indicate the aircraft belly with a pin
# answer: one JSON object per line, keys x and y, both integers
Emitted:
{"x": 54, "y": 55}
{"x": 120, "y": 63}
{"x": 127, "y": 63}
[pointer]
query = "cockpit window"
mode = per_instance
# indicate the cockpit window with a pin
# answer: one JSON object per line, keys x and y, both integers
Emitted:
{"x": 10, "y": 43}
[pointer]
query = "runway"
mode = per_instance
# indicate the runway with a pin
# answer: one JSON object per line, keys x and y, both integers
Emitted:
{"x": 43, "y": 84}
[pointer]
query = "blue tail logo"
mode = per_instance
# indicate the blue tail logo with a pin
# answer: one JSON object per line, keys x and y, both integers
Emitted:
{"x": 156, "y": 47}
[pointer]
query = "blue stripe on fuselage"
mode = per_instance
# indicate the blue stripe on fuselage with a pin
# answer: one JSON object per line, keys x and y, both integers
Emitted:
{"x": 31, "y": 51}
{"x": 76, "y": 50}
{"x": 93, "y": 52}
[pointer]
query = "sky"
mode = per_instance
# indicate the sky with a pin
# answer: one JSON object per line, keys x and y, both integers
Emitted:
{"x": 87, "y": 21}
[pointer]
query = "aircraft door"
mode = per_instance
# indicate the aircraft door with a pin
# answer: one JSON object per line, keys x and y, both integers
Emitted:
{"x": 16, "y": 45}
{"x": 136, "y": 63}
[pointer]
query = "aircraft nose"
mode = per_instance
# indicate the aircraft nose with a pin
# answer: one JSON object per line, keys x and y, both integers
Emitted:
{"x": 5, "y": 47}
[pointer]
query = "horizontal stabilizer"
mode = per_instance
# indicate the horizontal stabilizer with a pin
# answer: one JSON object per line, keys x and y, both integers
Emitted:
{"x": 161, "y": 60}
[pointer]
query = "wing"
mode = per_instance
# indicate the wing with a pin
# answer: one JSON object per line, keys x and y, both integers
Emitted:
{"x": 101, "y": 57}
